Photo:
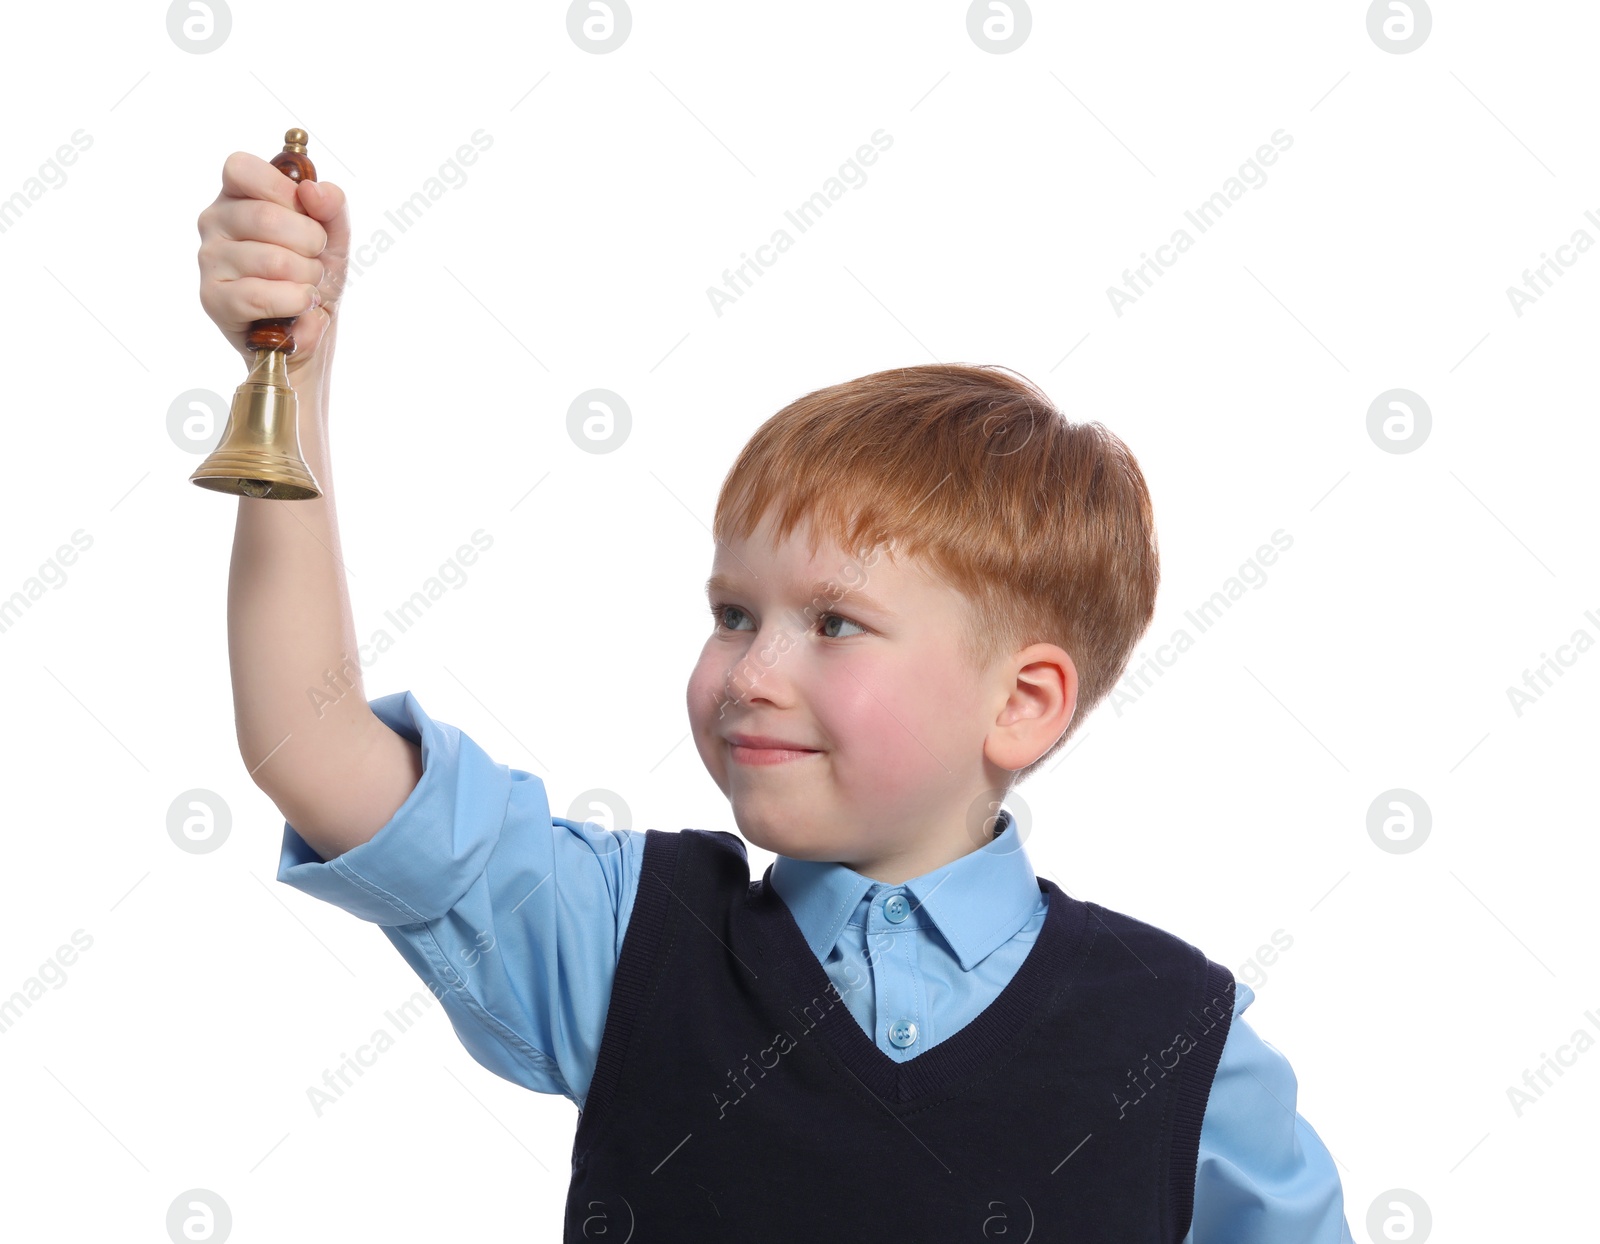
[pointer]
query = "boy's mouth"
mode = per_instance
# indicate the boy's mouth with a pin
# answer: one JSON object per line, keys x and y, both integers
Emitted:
{"x": 757, "y": 749}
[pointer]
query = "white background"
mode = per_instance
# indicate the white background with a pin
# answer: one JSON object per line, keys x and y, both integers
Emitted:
{"x": 1228, "y": 802}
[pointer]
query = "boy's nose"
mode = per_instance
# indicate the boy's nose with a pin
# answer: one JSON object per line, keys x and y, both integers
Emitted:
{"x": 760, "y": 672}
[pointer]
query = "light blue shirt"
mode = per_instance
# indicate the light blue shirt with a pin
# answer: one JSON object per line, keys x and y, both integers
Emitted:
{"x": 516, "y": 918}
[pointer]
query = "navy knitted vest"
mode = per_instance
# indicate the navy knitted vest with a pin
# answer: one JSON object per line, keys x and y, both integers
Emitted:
{"x": 736, "y": 1098}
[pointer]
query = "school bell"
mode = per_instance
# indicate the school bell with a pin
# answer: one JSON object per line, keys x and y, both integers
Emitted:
{"x": 259, "y": 453}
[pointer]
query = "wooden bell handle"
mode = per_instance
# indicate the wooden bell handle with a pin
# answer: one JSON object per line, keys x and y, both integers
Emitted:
{"x": 294, "y": 164}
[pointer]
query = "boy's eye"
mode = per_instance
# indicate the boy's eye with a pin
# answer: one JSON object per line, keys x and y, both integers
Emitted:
{"x": 720, "y": 614}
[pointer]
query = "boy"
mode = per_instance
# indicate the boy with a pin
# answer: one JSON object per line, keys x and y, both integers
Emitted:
{"x": 922, "y": 581}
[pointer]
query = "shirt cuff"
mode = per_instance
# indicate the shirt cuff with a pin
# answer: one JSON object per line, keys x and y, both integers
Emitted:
{"x": 435, "y": 846}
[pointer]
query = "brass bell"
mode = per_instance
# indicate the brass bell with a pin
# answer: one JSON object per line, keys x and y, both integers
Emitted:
{"x": 259, "y": 453}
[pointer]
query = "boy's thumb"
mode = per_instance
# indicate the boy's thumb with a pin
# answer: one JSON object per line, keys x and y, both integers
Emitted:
{"x": 325, "y": 203}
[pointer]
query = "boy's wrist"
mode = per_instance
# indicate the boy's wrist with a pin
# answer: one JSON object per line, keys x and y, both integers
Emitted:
{"x": 310, "y": 377}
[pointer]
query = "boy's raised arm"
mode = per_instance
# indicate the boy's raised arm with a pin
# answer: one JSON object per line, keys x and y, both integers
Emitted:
{"x": 271, "y": 248}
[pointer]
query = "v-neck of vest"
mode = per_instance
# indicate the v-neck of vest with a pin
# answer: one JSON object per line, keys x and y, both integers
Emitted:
{"x": 1056, "y": 952}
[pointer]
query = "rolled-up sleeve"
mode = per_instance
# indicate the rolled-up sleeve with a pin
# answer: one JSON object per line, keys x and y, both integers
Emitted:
{"x": 512, "y": 917}
{"x": 1263, "y": 1176}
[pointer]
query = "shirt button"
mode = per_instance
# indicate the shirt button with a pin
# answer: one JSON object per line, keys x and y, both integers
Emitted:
{"x": 895, "y": 908}
{"x": 902, "y": 1034}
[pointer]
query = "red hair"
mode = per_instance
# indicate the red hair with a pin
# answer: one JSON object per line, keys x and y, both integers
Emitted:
{"x": 1044, "y": 525}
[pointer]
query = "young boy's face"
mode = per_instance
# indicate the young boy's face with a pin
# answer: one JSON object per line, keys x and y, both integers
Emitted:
{"x": 896, "y": 718}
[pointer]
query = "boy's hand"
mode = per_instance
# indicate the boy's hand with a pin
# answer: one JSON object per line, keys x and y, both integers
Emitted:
{"x": 271, "y": 247}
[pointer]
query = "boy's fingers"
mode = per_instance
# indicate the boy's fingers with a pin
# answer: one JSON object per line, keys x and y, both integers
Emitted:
{"x": 258, "y": 203}
{"x": 246, "y": 176}
{"x": 231, "y": 260}
{"x": 257, "y": 220}
{"x": 251, "y": 298}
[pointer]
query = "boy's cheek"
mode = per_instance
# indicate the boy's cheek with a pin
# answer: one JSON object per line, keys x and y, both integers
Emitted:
{"x": 703, "y": 707}
{"x": 903, "y": 705}
{"x": 885, "y": 730}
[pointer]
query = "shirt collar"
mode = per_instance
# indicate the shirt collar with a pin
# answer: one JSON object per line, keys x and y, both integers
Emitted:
{"x": 977, "y": 902}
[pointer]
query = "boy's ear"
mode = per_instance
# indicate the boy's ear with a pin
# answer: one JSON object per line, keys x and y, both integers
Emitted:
{"x": 1039, "y": 706}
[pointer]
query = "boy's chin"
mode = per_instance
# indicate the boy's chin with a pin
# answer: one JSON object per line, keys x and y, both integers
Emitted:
{"x": 781, "y": 838}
